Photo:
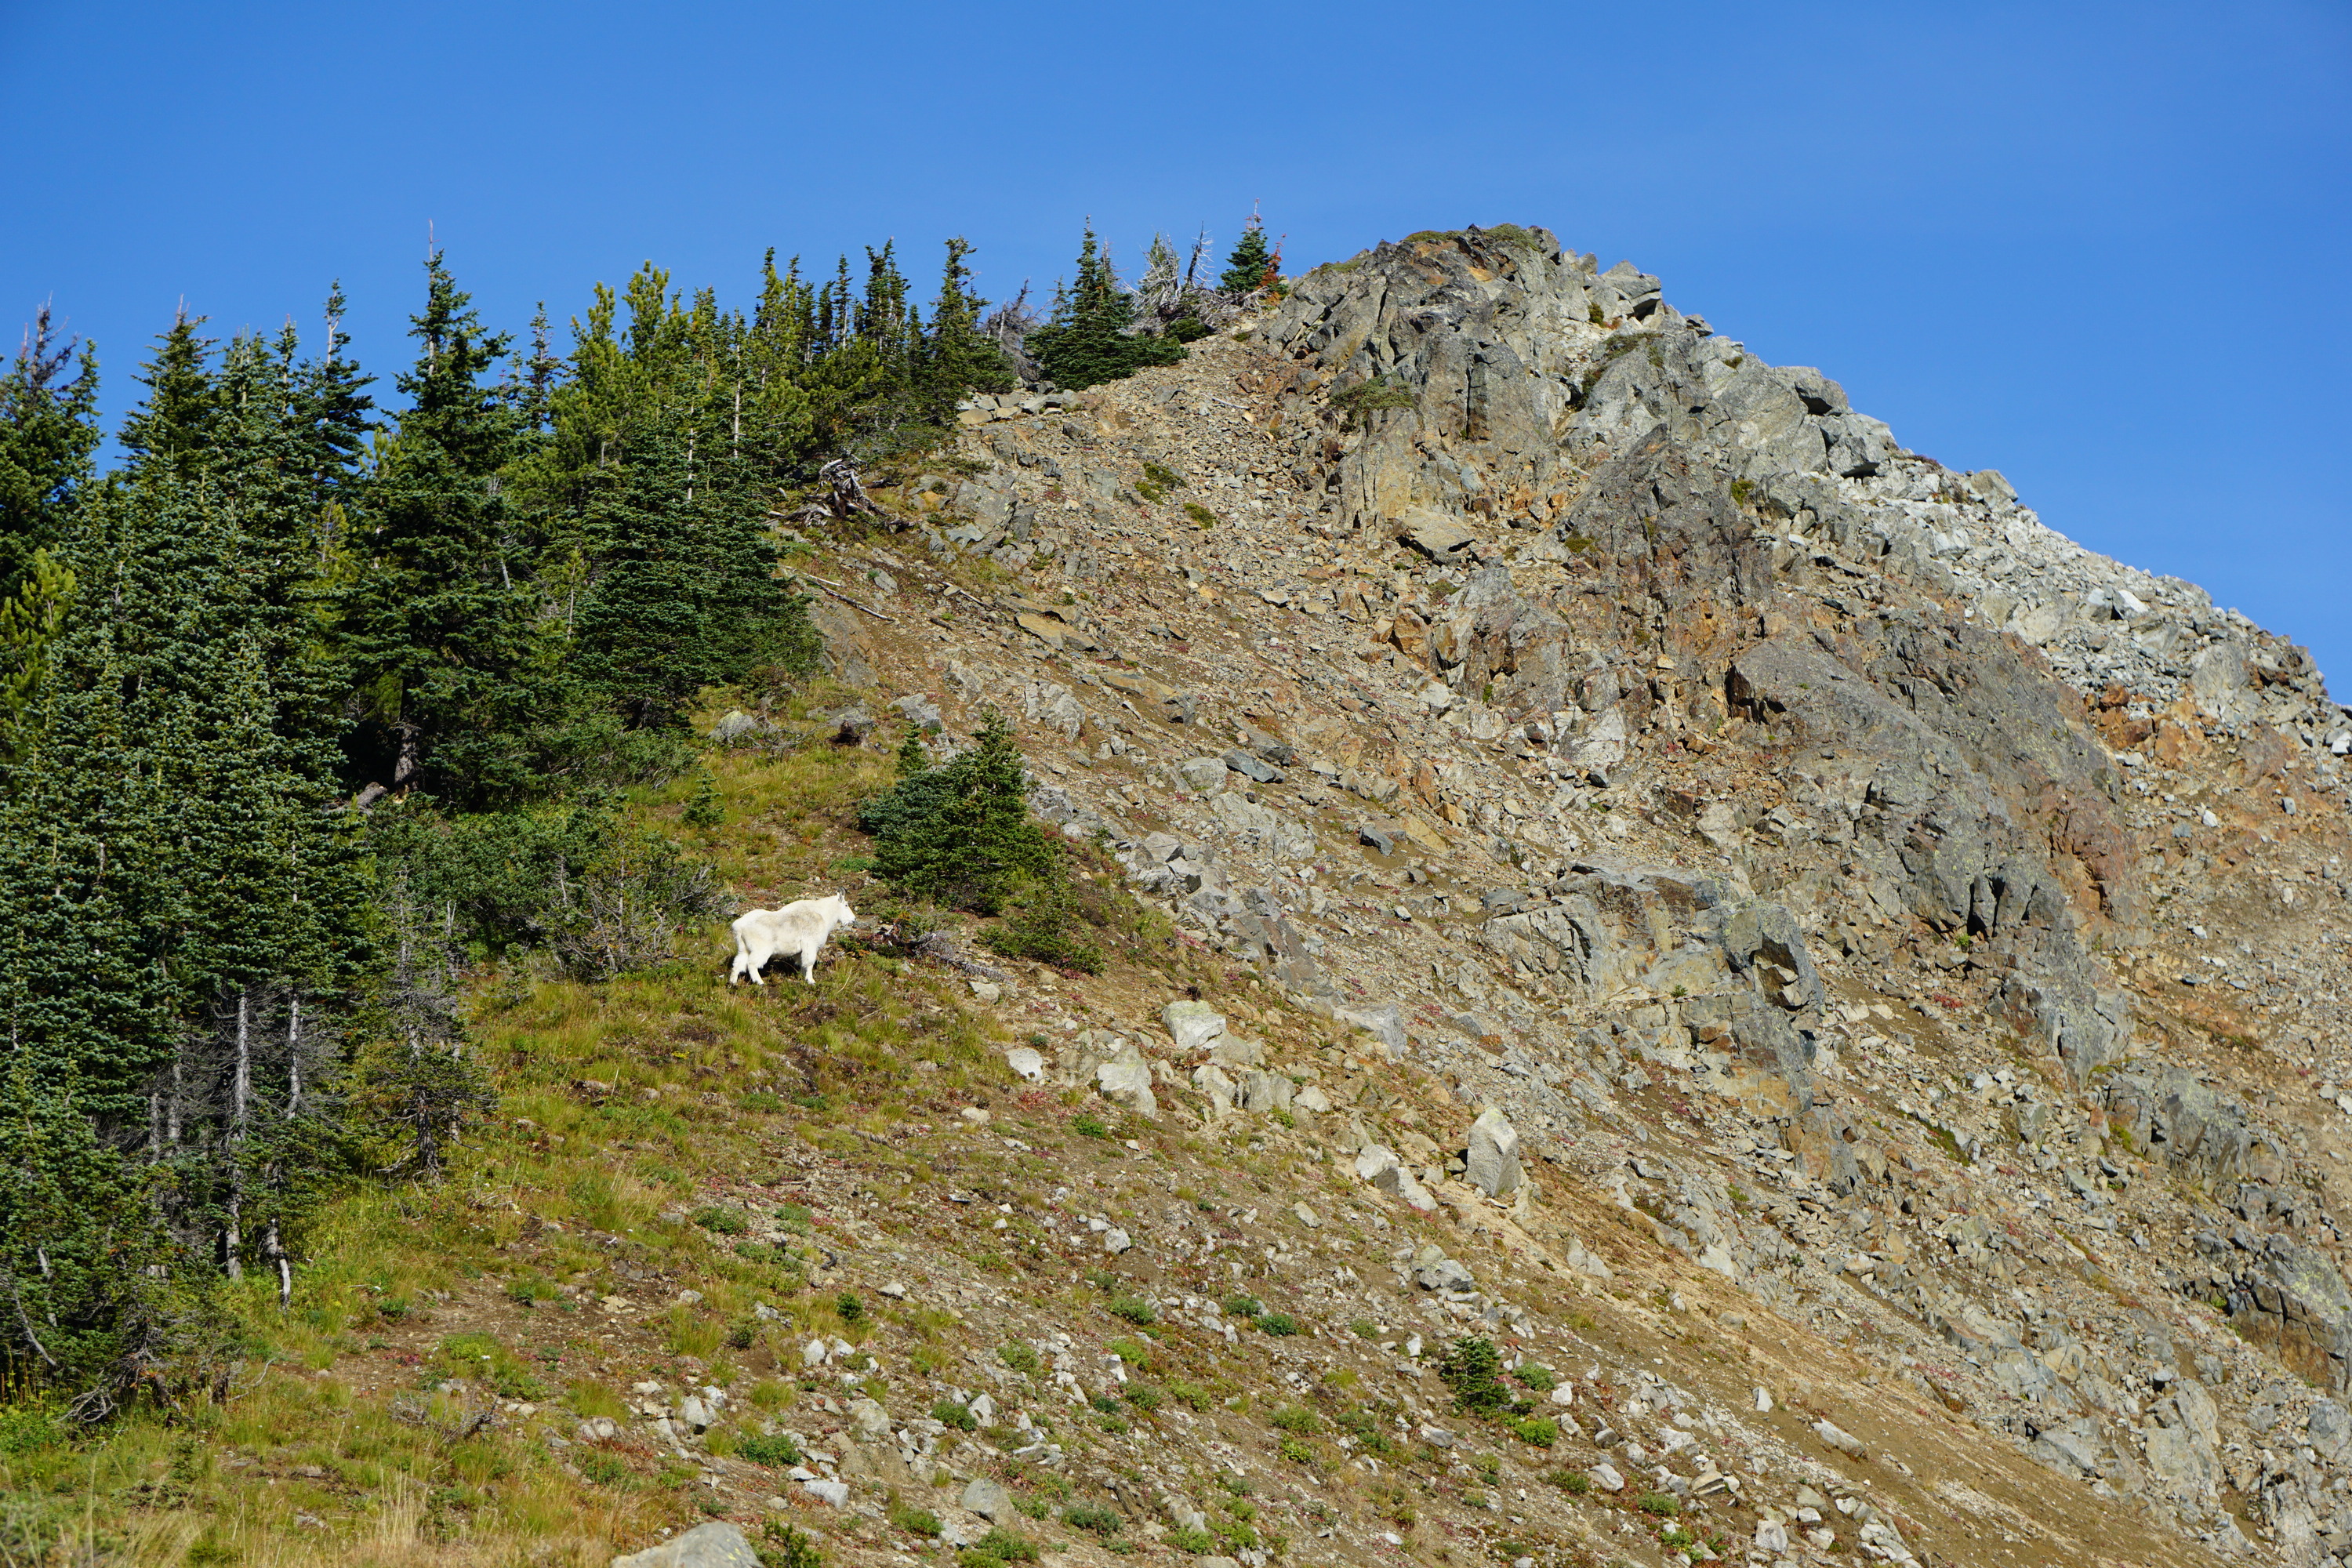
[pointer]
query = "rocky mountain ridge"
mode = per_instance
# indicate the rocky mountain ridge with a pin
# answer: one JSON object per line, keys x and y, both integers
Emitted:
{"x": 1924, "y": 929}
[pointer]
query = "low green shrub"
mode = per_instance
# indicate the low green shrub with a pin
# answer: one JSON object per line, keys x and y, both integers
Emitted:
{"x": 1358, "y": 403}
{"x": 1092, "y": 1516}
{"x": 1541, "y": 1431}
{"x": 792, "y": 1548}
{"x": 778, "y": 1452}
{"x": 999, "y": 1545}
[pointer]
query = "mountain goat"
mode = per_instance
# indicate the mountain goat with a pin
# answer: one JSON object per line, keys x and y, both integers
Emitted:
{"x": 796, "y": 928}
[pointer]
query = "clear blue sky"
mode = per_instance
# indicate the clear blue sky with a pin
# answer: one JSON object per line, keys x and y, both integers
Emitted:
{"x": 2102, "y": 247}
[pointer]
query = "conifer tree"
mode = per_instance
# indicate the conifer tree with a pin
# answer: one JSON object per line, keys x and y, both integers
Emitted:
{"x": 248, "y": 892}
{"x": 48, "y": 432}
{"x": 961, "y": 832}
{"x": 685, "y": 593}
{"x": 435, "y": 628}
{"x": 172, "y": 426}
{"x": 959, "y": 358}
{"x": 1086, "y": 341}
{"x": 1252, "y": 263}
{"x": 31, "y": 620}
{"x": 334, "y": 415}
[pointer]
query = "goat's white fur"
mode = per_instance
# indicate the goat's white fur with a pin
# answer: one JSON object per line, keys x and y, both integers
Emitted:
{"x": 798, "y": 929}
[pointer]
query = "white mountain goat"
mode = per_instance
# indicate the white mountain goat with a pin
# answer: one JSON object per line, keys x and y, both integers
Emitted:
{"x": 798, "y": 929}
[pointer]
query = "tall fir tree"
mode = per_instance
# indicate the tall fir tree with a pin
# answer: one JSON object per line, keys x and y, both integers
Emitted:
{"x": 49, "y": 435}
{"x": 685, "y": 594}
{"x": 958, "y": 357}
{"x": 1086, "y": 342}
{"x": 334, "y": 415}
{"x": 436, "y": 630}
{"x": 172, "y": 426}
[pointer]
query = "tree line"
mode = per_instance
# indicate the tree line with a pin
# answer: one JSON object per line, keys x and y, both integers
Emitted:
{"x": 307, "y": 705}
{"x": 304, "y": 707}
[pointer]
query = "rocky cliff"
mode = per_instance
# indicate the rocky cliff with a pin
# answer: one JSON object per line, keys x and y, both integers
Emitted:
{"x": 1899, "y": 948}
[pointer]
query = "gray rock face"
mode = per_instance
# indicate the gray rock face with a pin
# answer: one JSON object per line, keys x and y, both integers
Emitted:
{"x": 714, "y": 1545}
{"x": 1054, "y": 707}
{"x": 1944, "y": 779}
{"x": 1388, "y": 1174}
{"x": 2197, "y": 1132}
{"x": 2291, "y": 1300}
{"x": 1433, "y": 1271}
{"x": 1435, "y": 536}
{"x": 1384, "y": 1023}
{"x": 1265, "y": 1092}
{"x": 2075, "y": 1448}
{"x": 2182, "y": 1444}
{"x": 1256, "y": 768}
{"x": 732, "y": 726}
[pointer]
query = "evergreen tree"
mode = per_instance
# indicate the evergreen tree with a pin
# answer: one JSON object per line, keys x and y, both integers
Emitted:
{"x": 85, "y": 1015}
{"x": 685, "y": 593}
{"x": 436, "y": 630}
{"x": 48, "y": 431}
{"x": 959, "y": 358}
{"x": 334, "y": 415}
{"x": 30, "y": 622}
{"x": 961, "y": 832}
{"x": 247, "y": 889}
{"x": 1251, "y": 266}
{"x": 173, "y": 425}
{"x": 1086, "y": 342}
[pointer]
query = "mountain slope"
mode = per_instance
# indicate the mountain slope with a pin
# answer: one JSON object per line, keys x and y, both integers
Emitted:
{"x": 1837, "y": 985}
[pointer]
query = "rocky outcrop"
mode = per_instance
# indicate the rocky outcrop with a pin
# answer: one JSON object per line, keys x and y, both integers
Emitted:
{"x": 2288, "y": 1298}
{"x": 1761, "y": 826}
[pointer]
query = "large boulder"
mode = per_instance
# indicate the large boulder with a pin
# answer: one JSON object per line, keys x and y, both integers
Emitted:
{"x": 2197, "y": 1132}
{"x": 2290, "y": 1299}
{"x": 1380, "y": 1167}
{"x": 1383, "y": 1021}
{"x": 2183, "y": 1433}
{"x": 1493, "y": 1159}
{"x": 986, "y": 1497}
{"x": 714, "y": 1545}
{"x": 1126, "y": 1080}
{"x": 1193, "y": 1026}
